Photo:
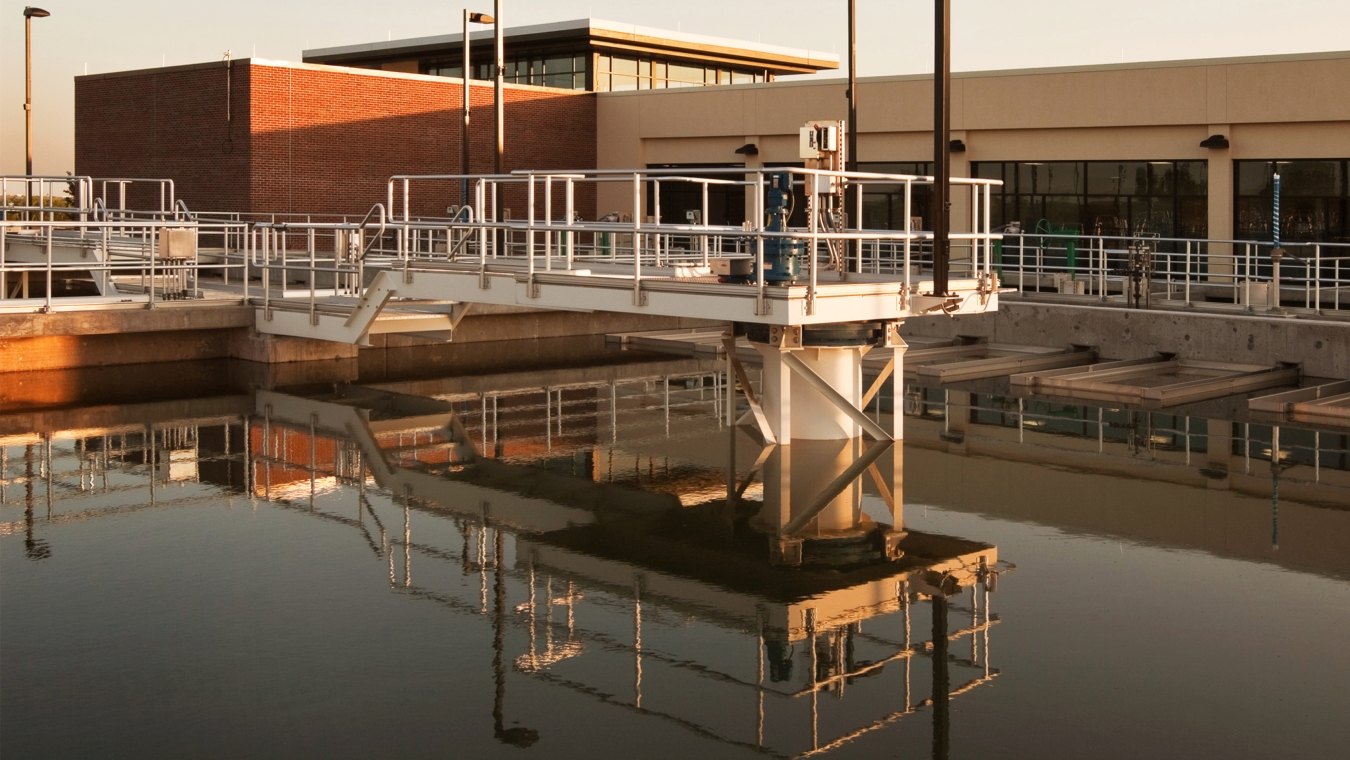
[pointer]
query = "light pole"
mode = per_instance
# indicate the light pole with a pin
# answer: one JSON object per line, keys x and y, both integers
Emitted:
{"x": 474, "y": 18}
{"x": 942, "y": 153}
{"x": 29, "y": 13}
{"x": 499, "y": 131}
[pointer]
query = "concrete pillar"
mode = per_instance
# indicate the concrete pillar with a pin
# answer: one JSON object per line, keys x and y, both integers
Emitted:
{"x": 1220, "y": 183}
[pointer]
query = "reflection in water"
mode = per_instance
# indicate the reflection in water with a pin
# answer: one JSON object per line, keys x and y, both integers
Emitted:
{"x": 800, "y": 569}
{"x": 618, "y": 561}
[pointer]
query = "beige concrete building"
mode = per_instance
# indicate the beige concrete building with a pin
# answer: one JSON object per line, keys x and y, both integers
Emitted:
{"x": 1178, "y": 149}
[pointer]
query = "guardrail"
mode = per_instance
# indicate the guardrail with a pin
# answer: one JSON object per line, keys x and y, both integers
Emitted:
{"x": 321, "y": 259}
{"x": 144, "y": 262}
{"x": 551, "y": 237}
{"x": 1249, "y": 273}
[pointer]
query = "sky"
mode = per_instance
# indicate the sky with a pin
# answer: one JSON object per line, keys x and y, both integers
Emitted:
{"x": 894, "y": 37}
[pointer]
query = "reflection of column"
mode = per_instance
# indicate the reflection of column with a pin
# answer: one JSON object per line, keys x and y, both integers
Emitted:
{"x": 518, "y": 736}
{"x": 788, "y": 493}
{"x": 637, "y": 642}
{"x": 34, "y": 548}
{"x": 909, "y": 659}
{"x": 1218, "y": 452}
{"x": 941, "y": 679}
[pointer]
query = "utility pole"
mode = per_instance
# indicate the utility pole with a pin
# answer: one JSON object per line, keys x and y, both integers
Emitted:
{"x": 942, "y": 146}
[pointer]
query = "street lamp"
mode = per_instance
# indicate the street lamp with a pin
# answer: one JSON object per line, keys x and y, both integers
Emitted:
{"x": 474, "y": 18}
{"x": 29, "y": 13}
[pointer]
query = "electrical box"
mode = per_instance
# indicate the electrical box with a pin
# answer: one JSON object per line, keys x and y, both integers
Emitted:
{"x": 815, "y": 139}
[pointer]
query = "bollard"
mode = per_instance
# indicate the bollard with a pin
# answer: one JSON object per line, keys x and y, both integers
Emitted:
{"x": 1273, "y": 295}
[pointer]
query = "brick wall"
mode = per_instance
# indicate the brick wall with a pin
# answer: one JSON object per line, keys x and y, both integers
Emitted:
{"x": 312, "y": 139}
{"x": 168, "y": 123}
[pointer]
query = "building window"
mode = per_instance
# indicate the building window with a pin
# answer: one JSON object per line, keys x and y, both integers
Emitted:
{"x": 726, "y": 203}
{"x": 1110, "y": 198}
{"x": 1314, "y": 200}
{"x": 884, "y": 203}
{"x": 561, "y": 70}
{"x": 618, "y": 73}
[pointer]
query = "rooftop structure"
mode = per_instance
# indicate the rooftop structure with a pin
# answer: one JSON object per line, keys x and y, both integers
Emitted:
{"x": 587, "y": 54}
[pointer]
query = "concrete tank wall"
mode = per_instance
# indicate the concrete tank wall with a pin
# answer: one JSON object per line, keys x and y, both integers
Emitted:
{"x": 1321, "y": 347}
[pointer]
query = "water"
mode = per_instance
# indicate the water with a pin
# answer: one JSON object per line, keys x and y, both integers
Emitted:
{"x": 558, "y": 573}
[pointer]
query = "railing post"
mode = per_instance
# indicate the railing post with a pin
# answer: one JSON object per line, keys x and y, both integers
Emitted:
{"x": 1187, "y": 287}
{"x": 548, "y": 222}
{"x": 568, "y": 237}
{"x": 1247, "y": 277}
{"x": 909, "y": 231}
{"x": 1021, "y": 264}
{"x": 637, "y": 227}
{"x": 48, "y": 306}
{"x": 154, "y": 257}
{"x": 529, "y": 230}
{"x": 1317, "y": 278}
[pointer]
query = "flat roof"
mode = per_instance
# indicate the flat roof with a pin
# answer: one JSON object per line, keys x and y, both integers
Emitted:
{"x": 599, "y": 33}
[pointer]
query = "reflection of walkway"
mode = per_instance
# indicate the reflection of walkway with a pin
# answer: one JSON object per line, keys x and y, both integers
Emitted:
{"x": 611, "y": 582}
{"x": 601, "y": 593}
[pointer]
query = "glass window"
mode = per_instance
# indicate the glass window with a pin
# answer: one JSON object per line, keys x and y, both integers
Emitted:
{"x": 1161, "y": 178}
{"x": 1192, "y": 177}
{"x": 1110, "y": 198}
{"x": 1063, "y": 177}
{"x": 1314, "y": 200}
{"x": 1310, "y": 178}
{"x": 680, "y": 72}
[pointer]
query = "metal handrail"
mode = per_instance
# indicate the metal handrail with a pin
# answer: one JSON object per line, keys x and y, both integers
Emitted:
{"x": 1188, "y": 268}
{"x": 111, "y": 253}
{"x": 650, "y": 240}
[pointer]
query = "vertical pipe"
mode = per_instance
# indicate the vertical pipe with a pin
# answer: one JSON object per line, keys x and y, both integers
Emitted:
{"x": 464, "y": 132}
{"x": 1275, "y": 213}
{"x": 942, "y": 115}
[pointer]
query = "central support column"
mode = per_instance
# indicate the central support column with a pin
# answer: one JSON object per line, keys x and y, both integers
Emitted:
{"x": 814, "y": 405}
{"x": 796, "y": 409}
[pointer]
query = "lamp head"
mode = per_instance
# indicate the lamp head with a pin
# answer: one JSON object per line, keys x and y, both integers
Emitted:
{"x": 482, "y": 18}
{"x": 31, "y": 12}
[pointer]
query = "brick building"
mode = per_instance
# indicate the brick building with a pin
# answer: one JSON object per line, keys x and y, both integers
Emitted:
{"x": 1177, "y": 149}
{"x": 267, "y": 137}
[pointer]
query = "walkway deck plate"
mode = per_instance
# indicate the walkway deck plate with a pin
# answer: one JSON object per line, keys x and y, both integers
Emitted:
{"x": 983, "y": 360}
{"x": 1156, "y": 382}
{"x": 508, "y": 283}
{"x": 1327, "y": 404}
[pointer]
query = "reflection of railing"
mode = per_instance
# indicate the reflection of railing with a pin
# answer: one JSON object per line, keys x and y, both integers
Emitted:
{"x": 1160, "y": 437}
{"x": 1313, "y": 276}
